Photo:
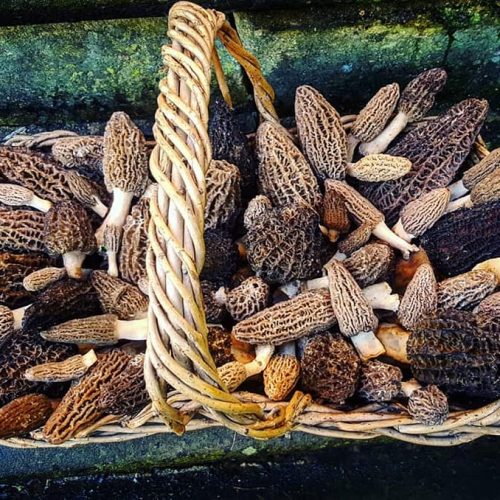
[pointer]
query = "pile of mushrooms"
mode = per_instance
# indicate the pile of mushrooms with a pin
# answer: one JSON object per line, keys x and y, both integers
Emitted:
{"x": 357, "y": 261}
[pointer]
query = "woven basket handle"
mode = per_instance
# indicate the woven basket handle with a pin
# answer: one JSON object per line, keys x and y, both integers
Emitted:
{"x": 177, "y": 349}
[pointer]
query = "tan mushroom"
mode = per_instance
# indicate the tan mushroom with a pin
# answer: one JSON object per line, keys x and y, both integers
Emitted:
{"x": 78, "y": 152}
{"x": 256, "y": 208}
{"x": 223, "y": 194}
{"x": 62, "y": 371}
{"x": 420, "y": 297}
{"x": 101, "y": 330}
{"x": 86, "y": 193}
{"x": 427, "y": 405}
{"x": 421, "y": 214}
{"x": 22, "y": 230}
{"x": 68, "y": 232}
{"x": 38, "y": 280}
{"x": 282, "y": 373}
{"x": 125, "y": 174}
{"x": 465, "y": 290}
{"x": 416, "y": 99}
{"x": 364, "y": 212}
{"x": 492, "y": 265}
{"x": 10, "y": 320}
{"x": 335, "y": 216}
{"x": 321, "y": 134}
{"x": 355, "y": 240}
{"x": 490, "y": 306}
{"x": 18, "y": 196}
{"x": 379, "y": 381}
{"x": 285, "y": 176}
{"x": 475, "y": 174}
{"x": 394, "y": 339}
{"x": 379, "y": 168}
{"x": 370, "y": 263}
{"x": 372, "y": 119}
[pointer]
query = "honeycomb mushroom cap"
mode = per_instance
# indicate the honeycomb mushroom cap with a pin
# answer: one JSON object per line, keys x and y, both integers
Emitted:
{"x": 6, "y": 324}
{"x": 356, "y": 239}
{"x": 79, "y": 152}
{"x": 285, "y": 177}
{"x": 330, "y": 368}
{"x": 221, "y": 256}
{"x": 465, "y": 290}
{"x": 379, "y": 381}
{"x": 256, "y": 208}
{"x": 219, "y": 343}
{"x": 321, "y": 134}
{"x": 215, "y": 311}
{"x": 379, "y": 168}
{"x": 335, "y": 215}
{"x": 486, "y": 190}
{"x": 281, "y": 376}
{"x": 248, "y": 298}
{"x": 284, "y": 244}
{"x": 485, "y": 167}
{"x": 88, "y": 193}
{"x": 419, "y": 95}
{"x": 223, "y": 194}
{"x": 428, "y": 405}
{"x": 372, "y": 119}
{"x": 42, "y": 278}
{"x": 370, "y": 263}
{"x": 22, "y": 230}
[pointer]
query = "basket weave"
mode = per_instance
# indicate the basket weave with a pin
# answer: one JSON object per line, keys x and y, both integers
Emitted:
{"x": 177, "y": 355}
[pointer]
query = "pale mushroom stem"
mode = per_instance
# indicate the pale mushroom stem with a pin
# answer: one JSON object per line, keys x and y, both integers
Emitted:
{"x": 457, "y": 190}
{"x": 367, "y": 345}
{"x": 401, "y": 232}
{"x": 135, "y": 329}
{"x": 18, "y": 315}
{"x": 40, "y": 203}
{"x": 382, "y": 141}
{"x": 464, "y": 202}
{"x": 382, "y": 232}
{"x": 263, "y": 353}
{"x": 73, "y": 263}
{"x": 99, "y": 208}
{"x": 112, "y": 263}
{"x": 287, "y": 349}
{"x": 220, "y": 296}
{"x": 409, "y": 387}
{"x": 394, "y": 339}
{"x": 352, "y": 144}
{"x": 118, "y": 212}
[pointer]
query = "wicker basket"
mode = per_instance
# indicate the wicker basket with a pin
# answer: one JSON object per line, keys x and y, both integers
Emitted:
{"x": 177, "y": 355}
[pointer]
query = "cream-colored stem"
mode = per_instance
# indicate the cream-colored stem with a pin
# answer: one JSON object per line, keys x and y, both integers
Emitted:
{"x": 382, "y": 232}
{"x": 380, "y": 296}
{"x": 18, "y": 315}
{"x": 464, "y": 202}
{"x": 382, "y": 141}
{"x": 263, "y": 354}
{"x": 367, "y": 345}
{"x": 220, "y": 296}
{"x": 287, "y": 349}
{"x": 352, "y": 144}
{"x": 135, "y": 329}
{"x": 340, "y": 256}
{"x": 409, "y": 387}
{"x": 89, "y": 358}
{"x": 73, "y": 263}
{"x": 40, "y": 203}
{"x": 291, "y": 289}
{"x": 394, "y": 339}
{"x": 117, "y": 213}
{"x": 100, "y": 208}
{"x": 112, "y": 263}
{"x": 401, "y": 231}
{"x": 457, "y": 190}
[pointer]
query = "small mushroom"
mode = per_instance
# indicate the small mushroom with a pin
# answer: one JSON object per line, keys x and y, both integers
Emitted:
{"x": 125, "y": 174}
{"x": 427, "y": 405}
{"x": 379, "y": 381}
{"x": 21, "y": 230}
{"x": 10, "y": 320}
{"x": 101, "y": 330}
{"x": 255, "y": 210}
{"x": 416, "y": 99}
{"x": 422, "y": 213}
{"x": 118, "y": 297}
{"x": 68, "y": 232}
{"x": 465, "y": 290}
{"x": 379, "y": 168}
{"x": 80, "y": 406}
{"x": 335, "y": 215}
{"x": 18, "y": 196}
{"x": 42, "y": 278}
{"x": 490, "y": 306}
{"x": 24, "y": 414}
{"x": 81, "y": 152}
{"x": 219, "y": 343}
{"x": 246, "y": 299}
{"x": 355, "y": 240}
{"x": 370, "y": 263}
{"x": 285, "y": 177}
{"x": 354, "y": 314}
{"x": 364, "y": 212}
{"x": 420, "y": 298}
{"x": 86, "y": 192}
{"x": 475, "y": 174}
{"x": 62, "y": 371}
{"x": 321, "y": 134}
{"x": 282, "y": 373}
{"x": 330, "y": 368}
{"x": 372, "y": 119}
{"x": 223, "y": 194}
{"x": 233, "y": 374}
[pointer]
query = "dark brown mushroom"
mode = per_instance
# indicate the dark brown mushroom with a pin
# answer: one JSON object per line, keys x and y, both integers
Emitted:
{"x": 22, "y": 230}
{"x": 379, "y": 381}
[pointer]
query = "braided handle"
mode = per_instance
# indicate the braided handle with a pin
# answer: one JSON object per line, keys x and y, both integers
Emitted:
{"x": 177, "y": 349}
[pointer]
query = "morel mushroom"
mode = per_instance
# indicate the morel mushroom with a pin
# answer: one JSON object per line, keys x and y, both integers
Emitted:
{"x": 379, "y": 381}
{"x": 223, "y": 194}
{"x": 82, "y": 153}
{"x": 335, "y": 216}
{"x": 372, "y": 119}
{"x": 427, "y": 405}
{"x": 284, "y": 244}
{"x": 321, "y": 134}
{"x": 18, "y": 196}
{"x": 354, "y": 314}
{"x": 282, "y": 373}
{"x": 490, "y": 306}
{"x": 416, "y": 99}
{"x": 355, "y": 240}
{"x": 38, "y": 280}
{"x": 80, "y": 406}
{"x": 118, "y": 297}
{"x": 21, "y": 230}
{"x": 10, "y": 320}
{"x": 125, "y": 175}
{"x": 476, "y": 237}
{"x": 465, "y": 290}
{"x": 364, "y": 212}
{"x": 379, "y": 168}
{"x": 221, "y": 256}
{"x": 24, "y": 414}
{"x": 86, "y": 192}
{"x": 285, "y": 177}
{"x": 256, "y": 209}
{"x": 491, "y": 265}
{"x": 420, "y": 298}
{"x": 62, "y": 371}
{"x": 219, "y": 343}
{"x": 68, "y": 232}
{"x": 421, "y": 214}
{"x": 330, "y": 368}
{"x": 246, "y": 299}
{"x": 215, "y": 311}
{"x": 101, "y": 330}
{"x": 370, "y": 263}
